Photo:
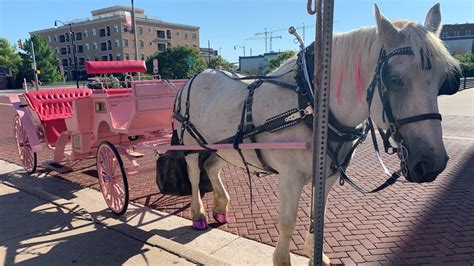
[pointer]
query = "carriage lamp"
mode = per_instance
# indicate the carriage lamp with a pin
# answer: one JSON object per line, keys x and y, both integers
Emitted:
{"x": 71, "y": 33}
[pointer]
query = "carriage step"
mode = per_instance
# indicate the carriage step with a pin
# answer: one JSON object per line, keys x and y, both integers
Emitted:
{"x": 135, "y": 154}
{"x": 55, "y": 166}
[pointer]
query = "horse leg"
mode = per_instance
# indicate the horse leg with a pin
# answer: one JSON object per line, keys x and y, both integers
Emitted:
{"x": 290, "y": 187}
{"x": 213, "y": 166}
{"x": 197, "y": 208}
{"x": 309, "y": 239}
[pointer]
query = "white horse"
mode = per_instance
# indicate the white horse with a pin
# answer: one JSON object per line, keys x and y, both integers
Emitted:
{"x": 216, "y": 102}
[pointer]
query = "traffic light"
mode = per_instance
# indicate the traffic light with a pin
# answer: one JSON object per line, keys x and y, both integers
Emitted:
{"x": 37, "y": 71}
{"x": 21, "y": 44}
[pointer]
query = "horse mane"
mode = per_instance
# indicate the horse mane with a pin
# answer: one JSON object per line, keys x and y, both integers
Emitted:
{"x": 350, "y": 48}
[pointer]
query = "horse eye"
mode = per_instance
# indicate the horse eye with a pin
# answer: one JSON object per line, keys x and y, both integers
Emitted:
{"x": 396, "y": 82}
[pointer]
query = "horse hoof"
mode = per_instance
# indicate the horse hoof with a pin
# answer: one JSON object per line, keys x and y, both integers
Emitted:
{"x": 221, "y": 218}
{"x": 200, "y": 225}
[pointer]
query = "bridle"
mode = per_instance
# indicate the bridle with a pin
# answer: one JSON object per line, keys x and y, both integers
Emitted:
{"x": 394, "y": 124}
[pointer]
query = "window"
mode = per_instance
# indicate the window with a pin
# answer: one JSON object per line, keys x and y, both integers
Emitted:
{"x": 125, "y": 43}
{"x": 160, "y": 34}
{"x": 142, "y": 44}
{"x": 70, "y": 61}
{"x": 105, "y": 58}
{"x": 109, "y": 45}
{"x": 127, "y": 56}
{"x": 78, "y": 36}
{"x": 94, "y": 33}
{"x": 81, "y": 61}
{"x": 142, "y": 56}
{"x": 185, "y": 36}
{"x": 140, "y": 30}
{"x": 168, "y": 34}
{"x": 68, "y": 49}
{"x": 116, "y": 28}
{"x": 80, "y": 49}
{"x": 117, "y": 57}
{"x": 125, "y": 29}
{"x": 102, "y": 33}
{"x": 467, "y": 33}
{"x": 111, "y": 58}
{"x": 194, "y": 36}
{"x": 161, "y": 47}
{"x": 117, "y": 43}
{"x": 63, "y": 50}
{"x": 62, "y": 38}
{"x": 108, "y": 30}
{"x": 94, "y": 46}
{"x": 86, "y": 34}
{"x": 103, "y": 46}
{"x": 67, "y": 37}
{"x": 49, "y": 38}
{"x": 87, "y": 47}
{"x": 64, "y": 62}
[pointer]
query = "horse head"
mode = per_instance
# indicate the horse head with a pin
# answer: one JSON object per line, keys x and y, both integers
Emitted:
{"x": 413, "y": 69}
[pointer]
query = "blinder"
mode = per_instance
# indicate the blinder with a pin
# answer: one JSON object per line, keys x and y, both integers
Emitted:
{"x": 451, "y": 85}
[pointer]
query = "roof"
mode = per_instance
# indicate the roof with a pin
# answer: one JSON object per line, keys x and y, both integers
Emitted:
{"x": 105, "y": 67}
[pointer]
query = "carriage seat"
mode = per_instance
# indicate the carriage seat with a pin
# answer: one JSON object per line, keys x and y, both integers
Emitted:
{"x": 53, "y": 106}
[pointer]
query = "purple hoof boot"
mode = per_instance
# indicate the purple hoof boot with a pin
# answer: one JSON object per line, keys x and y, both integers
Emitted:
{"x": 200, "y": 225}
{"x": 221, "y": 218}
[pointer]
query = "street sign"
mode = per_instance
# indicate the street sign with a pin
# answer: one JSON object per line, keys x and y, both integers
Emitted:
{"x": 155, "y": 66}
{"x": 190, "y": 61}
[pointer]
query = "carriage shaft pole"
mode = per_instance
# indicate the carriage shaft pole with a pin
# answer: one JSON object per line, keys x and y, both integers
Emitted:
{"x": 322, "y": 74}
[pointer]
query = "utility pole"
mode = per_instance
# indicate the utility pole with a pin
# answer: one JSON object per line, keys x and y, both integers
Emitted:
{"x": 34, "y": 64}
{"x": 134, "y": 32}
{"x": 209, "y": 53}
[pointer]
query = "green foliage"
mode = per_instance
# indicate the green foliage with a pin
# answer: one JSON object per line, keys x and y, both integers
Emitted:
{"x": 218, "y": 62}
{"x": 274, "y": 63}
{"x": 177, "y": 62}
{"x": 109, "y": 82}
{"x": 467, "y": 64}
{"x": 46, "y": 60}
{"x": 8, "y": 57}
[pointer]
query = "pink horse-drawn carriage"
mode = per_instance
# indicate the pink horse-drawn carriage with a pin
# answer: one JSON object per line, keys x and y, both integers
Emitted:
{"x": 107, "y": 123}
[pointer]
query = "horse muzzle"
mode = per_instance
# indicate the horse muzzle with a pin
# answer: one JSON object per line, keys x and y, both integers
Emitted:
{"x": 426, "y": 168}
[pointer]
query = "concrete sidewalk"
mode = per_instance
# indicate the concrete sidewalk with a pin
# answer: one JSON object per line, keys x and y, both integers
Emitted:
{"x": 47, "y": 220}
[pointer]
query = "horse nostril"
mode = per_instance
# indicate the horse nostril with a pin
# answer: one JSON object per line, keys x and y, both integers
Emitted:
{"x": 421, "y": 169}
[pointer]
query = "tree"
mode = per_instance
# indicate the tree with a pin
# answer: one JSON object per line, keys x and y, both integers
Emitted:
{"x": 220, "y": 63}
{"x": 467, "y": 64}
{"x": 177, "y": 62}
{"x": 8, "y": 57}
{"x": 47, "y": 61}
{"x": 275, "y": 62}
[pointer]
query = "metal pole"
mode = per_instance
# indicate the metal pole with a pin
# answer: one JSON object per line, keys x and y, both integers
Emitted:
{"x": 244, "y": 50}
{"x": 209, "y": 53}
{"x": 322, "y": 68}
{"x": 34, "y": 64}
{"x": 73, "y": 47}
{"x": 134, "y": 31}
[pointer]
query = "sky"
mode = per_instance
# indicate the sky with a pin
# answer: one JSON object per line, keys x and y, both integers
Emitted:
{"x": 225, "y": 23}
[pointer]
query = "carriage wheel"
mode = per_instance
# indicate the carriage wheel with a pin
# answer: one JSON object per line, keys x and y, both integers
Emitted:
{"x": 112, "y": 178}
{"x": 25, "y": 152}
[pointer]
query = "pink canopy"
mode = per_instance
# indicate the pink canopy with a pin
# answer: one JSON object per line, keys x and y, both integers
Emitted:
{"x": 103, "y": 67}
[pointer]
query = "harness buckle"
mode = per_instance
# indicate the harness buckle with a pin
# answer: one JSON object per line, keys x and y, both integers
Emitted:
{"x": 293, "y": 117}
{"x": 392, "y": 128}
{"x": 308, "y": 110}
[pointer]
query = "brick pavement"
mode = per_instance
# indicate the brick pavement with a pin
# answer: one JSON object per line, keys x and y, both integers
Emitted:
{"x": 406, "y": 223}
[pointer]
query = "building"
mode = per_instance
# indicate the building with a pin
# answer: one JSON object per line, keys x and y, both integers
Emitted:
{"x": 459, "y": 38}
{"x": 255, "y": 65}
{"x": 105, "y": 36}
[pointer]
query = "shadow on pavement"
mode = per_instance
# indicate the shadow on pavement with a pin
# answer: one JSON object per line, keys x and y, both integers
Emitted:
{"x": 445, "y": 234}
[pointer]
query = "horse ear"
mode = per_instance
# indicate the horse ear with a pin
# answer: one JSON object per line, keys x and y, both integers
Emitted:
{"x": 385, "y": 29}
{"x": 433, "y": 20}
